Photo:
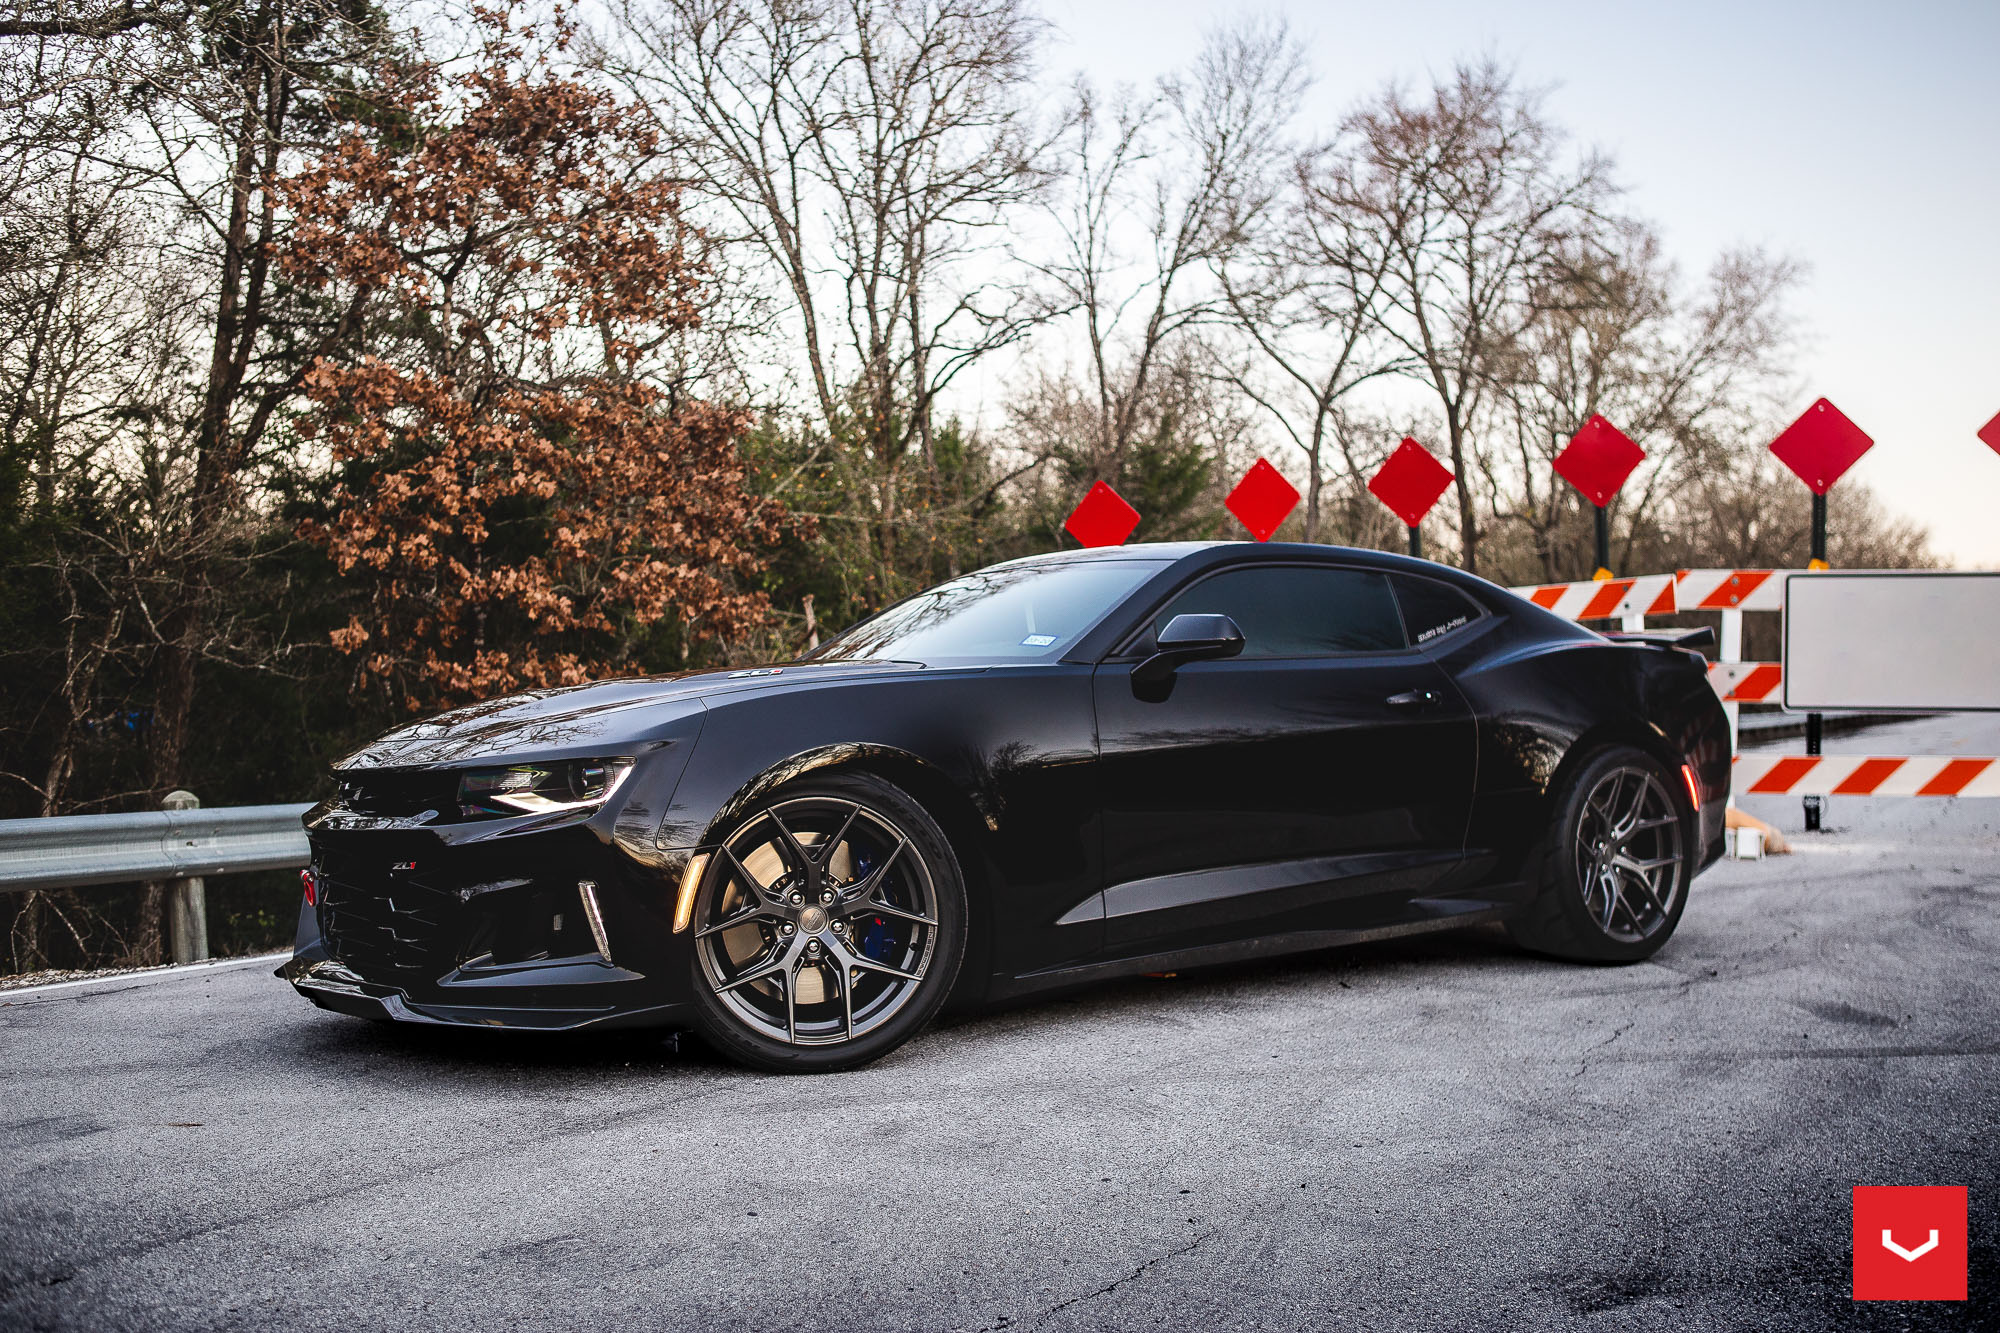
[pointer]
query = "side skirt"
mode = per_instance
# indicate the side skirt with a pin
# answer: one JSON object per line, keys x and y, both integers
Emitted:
{"x": 1440, "y": 914}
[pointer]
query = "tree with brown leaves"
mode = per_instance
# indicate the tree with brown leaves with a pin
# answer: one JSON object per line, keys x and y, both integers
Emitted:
{"x": 522, "y": 493}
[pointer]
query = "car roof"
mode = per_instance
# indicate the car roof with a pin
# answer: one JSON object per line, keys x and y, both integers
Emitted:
{"x": 1191, "y": 556}
{"x": 1185, "y": 560}
{"x": 1132, "y": 551}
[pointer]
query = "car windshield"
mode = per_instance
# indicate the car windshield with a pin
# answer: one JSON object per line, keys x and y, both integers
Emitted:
{"x": 1019, "y": 612}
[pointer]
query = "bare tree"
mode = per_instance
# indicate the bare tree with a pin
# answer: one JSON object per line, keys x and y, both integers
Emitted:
{"x": 1470, "y": 190}
{"x": 1187, "y": 433}
{"x": 1305, "y": 294}
{"x": 1692, "y": 376}
{"x": 866, "y": 151}
{"x": 88, "y": 315}
{"x": 189, "y": 109}
{"x": 150, "y": 352}
{"x": 94, "y": 385}
{"x": 1154, "y": 200}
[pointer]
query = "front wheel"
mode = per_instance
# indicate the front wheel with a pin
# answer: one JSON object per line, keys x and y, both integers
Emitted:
{"x": 1615, "y": 865}
{"x": 829, "y": 927}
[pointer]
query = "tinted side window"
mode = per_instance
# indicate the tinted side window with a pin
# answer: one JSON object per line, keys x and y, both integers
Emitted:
{"x": 1298, "y": 612}
{"x": 1430, "y": 609}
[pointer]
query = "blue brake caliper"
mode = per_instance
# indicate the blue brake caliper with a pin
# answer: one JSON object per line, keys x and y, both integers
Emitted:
{"x": 875, "y": 941}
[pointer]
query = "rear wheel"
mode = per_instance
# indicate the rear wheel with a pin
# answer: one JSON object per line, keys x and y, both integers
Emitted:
{"x": 829, "y": 927}
{"x": 1615, "y": 864}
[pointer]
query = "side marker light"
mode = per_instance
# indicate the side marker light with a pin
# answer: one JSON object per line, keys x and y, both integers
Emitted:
{"x": 690, "y": 881}
{"x": 1694, "y": 788}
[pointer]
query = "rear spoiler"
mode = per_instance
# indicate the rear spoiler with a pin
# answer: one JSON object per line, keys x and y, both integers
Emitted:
{"x": 1666, "y": 638}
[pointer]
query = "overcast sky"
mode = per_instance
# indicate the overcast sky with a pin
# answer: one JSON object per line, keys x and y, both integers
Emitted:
{"x": 1861, "y": 139}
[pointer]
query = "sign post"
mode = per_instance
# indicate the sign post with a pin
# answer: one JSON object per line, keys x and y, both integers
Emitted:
{"x": 1410, "y": 481}
{"x": 1597, "y": 460}
{"x": 187, "y": 900}
{"x": 1819, "y": 446}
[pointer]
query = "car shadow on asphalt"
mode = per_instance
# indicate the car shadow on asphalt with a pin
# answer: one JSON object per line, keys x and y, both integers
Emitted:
{"x": 448, "y": 1055}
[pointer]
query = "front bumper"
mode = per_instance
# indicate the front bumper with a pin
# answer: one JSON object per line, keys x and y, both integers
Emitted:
{"x": 556, "y": 929}
{"x": 335, "y": 987}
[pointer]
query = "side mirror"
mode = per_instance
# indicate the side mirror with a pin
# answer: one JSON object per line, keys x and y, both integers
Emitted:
{"x": 1189, "y": 638}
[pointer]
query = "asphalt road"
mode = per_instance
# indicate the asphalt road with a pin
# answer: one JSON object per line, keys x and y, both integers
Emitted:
{"x": 1438, "y": 1135}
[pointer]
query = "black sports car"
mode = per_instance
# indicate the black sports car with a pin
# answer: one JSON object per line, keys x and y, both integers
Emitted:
{"x": 1054, "y": 770}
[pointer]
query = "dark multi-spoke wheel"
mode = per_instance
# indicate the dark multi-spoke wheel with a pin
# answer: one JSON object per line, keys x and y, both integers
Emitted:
{"x": 1616, "y": 867}
{"x": 1628, "y": 853}
{"x": 828, "y": 927}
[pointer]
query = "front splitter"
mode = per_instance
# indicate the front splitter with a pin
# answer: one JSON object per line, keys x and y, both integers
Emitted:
{"x": 334, "y": 987}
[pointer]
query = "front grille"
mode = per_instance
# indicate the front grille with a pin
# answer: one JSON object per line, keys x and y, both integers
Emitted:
{"x": 393, "y": 928}
{"x": 402, "y": 911}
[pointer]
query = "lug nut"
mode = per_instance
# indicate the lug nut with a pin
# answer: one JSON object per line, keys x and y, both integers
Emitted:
{"x": 826, "y": 895}
{"x": 788, "y": 928}
{"x": 812, "y": 946}
{"x": 798, "y": 897}
{"x": 840, "y": 927}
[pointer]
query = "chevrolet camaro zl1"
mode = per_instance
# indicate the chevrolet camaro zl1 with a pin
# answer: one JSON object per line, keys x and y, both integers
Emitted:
{"x": 1052, "y": 771}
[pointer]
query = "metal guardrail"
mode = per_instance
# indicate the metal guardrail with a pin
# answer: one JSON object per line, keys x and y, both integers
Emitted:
{"x": 75, "y": 851}
{"x": 179, "y": 844}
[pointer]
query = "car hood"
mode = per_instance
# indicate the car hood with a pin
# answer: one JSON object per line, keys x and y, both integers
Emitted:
{"x": 624, "y": 715}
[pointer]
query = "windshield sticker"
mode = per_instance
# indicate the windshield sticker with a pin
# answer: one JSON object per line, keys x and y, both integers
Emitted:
{"x": 1038, "y": 640}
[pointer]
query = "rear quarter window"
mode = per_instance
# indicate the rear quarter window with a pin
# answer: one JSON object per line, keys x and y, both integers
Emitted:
{"x": 1431, "y": 609}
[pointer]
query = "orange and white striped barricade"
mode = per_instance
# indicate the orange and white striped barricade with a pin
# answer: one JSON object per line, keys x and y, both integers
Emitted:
{"x": 1747, "y": 682}
{"x": 1867, "y": 775}
{"x": 1732, "y": 592}
{"x": 1730, "y": 589}
{"x": 1628, "y": 601}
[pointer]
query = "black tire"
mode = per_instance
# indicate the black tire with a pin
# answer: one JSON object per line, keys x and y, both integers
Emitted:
{"x": 1588, "y": 906}
{"x": 887, "y": 938}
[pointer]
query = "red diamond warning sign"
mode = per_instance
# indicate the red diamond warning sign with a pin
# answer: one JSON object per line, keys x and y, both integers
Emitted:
{"x": 1410, "y": 482}
{"x": 1262, "y": 499}
{"x": 1101, "y": 518}
{"x": 1597, "y": 460}
{"x": 1990, "y": 432}
{"x": 1821, "y": 445}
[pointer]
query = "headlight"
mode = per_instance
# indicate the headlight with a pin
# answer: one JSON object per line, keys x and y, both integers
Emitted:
{"x": 540, "y": 789}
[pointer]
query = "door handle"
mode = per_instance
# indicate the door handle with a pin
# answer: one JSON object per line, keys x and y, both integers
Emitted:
{"x": 1412, "y": 699}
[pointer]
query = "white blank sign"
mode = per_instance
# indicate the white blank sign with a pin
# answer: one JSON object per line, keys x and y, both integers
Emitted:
{"x": 1892, "y": 642}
